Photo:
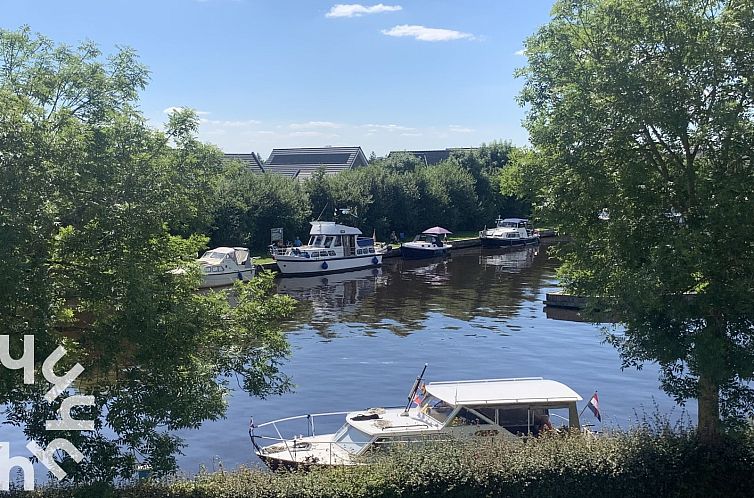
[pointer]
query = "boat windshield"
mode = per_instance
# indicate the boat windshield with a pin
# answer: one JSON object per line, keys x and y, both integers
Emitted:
{"x": 351, "y": 439}
{"x": 436, "y": 408}
{"x": 213, "y": 255}
{"x": 316, "y": 240}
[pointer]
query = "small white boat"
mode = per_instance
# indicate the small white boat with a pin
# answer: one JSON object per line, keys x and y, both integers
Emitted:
{"x": 331, "y": 248}
{"x": 509, "y": 232}
{"x": 224, "y": 265}
{"x": 427, "y": 244}
{"x": 465, "y": 410}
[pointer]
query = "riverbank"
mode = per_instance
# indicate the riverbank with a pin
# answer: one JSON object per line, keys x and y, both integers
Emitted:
{"x": 462, "y": 240}
{"x": 642, "y": 463}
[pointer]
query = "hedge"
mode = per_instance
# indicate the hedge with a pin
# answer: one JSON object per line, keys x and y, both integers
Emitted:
{"x": 635, "y": 464}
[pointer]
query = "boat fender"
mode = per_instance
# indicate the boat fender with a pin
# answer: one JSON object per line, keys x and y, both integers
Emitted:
{"x": 324, "y": 265}
{"x": 240, "y": 275}
{"x": 375, "y": 260}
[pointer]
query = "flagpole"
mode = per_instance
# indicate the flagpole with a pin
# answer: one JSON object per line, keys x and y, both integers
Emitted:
{"x": 586, "y": 405}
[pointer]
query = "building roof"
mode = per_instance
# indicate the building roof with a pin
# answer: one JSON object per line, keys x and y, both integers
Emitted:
{"x": 430, "y": 157}
{"x": 302, "y": 163}
{"x": 502, "y": 392}
{"x": 252, "y": 161}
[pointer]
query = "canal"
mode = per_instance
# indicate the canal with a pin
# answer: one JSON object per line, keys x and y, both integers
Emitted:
{"x": 359, "y": 339}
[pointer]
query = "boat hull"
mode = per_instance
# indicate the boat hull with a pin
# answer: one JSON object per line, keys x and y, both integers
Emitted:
{"x": 225, "y": 278}
{"x": 310, "y": 266}
{"x": 501, "y": 242}
{"x": 408, "y": 252}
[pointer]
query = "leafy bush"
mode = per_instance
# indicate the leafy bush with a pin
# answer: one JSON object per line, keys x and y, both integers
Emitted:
{"x": 635, "y": 464}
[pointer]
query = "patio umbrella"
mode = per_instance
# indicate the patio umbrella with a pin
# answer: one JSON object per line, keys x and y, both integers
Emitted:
{"x": 436, "y": 231}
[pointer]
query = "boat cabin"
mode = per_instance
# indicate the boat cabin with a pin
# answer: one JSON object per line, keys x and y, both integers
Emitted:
{"x": 495, "y": 408}
{"x": 221, "y": 259}
{"x": 512, "y": 223}
{"x": 519, "y": 406}
{"x": 328, "y": 239}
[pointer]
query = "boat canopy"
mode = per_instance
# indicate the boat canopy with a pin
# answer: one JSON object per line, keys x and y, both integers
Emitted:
{"x": 515, "y": 220}
{"x": 502, "y": 392}
{"x": 332, "y": 228}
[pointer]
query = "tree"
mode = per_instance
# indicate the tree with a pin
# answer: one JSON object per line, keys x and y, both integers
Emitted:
{"x": 250, "y": 204}
{"x": 91, "y": 200}
{"x": 642, "y": 110}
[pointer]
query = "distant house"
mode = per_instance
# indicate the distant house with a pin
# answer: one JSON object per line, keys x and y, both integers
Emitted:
{"x": 302, "y": 163}
{"x": 251, "y": 161}
{"x": 430, "y": 157}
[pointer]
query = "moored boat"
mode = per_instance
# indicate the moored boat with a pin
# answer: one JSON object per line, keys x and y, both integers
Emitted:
{"x": 331, "y": 248}
{"x": 428, "y": 244}
{"x": 509, "y": 232}
{"x": 224, "y": 265}
{"x": 459, "y": 410}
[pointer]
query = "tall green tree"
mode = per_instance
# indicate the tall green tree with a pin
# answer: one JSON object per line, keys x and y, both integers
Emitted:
{"x": 643, "y": 110}
{"x": 91, "y": 200}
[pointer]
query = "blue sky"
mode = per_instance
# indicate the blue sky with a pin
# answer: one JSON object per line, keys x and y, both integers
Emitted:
{"x": 265, "y": 74}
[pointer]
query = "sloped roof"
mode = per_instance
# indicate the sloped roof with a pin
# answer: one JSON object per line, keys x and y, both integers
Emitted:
{"x": 302, "y": 163}
{"x": 252, "y": 161}
{"x": 430, "y": 157}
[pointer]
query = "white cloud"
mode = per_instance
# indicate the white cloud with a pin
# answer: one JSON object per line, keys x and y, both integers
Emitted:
{"x": 173, "y": 109}
{"x": 460, "y": 129}
{"x": 312, "y": 134}
{"x": 357, "y": 10}
{"x": 231, "y": 124}
{"x": 427, "y": 34}
{"x": 313, "y": 124}
{"x": 388, "y": 127}
{"x": 520, "y": 52}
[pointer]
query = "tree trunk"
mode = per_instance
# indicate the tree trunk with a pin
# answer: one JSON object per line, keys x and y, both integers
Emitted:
{"x": 709, "y": 410}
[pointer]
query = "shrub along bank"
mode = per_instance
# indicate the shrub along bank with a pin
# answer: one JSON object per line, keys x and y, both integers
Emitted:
{"x": 636, "y": 464}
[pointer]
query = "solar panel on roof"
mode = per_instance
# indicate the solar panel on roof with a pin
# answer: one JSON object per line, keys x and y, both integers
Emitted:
{"x": 284, "y": 159}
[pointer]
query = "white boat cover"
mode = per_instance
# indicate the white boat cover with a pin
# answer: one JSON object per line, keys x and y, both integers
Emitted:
{"x": 502, "y": 391}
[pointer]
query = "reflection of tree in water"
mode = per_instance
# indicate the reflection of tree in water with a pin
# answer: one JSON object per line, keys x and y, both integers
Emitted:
{"x": 476, "y": 282}
{"x": 326, "y": 298}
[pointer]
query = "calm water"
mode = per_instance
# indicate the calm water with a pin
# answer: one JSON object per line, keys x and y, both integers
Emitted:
{"x": 359, "y": 340}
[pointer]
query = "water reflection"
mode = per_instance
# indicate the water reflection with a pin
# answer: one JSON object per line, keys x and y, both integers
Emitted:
{"x": 476, "y": 282}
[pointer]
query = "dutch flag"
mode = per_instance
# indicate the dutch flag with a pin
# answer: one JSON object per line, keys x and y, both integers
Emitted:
{"x": 594, "y": 406}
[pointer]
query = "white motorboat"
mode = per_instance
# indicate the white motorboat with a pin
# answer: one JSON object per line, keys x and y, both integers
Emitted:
{"x": 331, "y": 248}
{"x": 509, "y": 232}
{"x": 428, "y": 244}
{"x": 224, "y": 265}
{"x": 459, "y": 410}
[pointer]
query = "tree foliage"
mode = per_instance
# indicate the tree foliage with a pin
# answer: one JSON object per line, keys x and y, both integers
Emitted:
{"x": 91, "y": 202}
{"x": 643, "y": 110}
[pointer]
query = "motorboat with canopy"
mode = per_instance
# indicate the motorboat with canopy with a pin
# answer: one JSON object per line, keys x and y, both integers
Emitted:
{"x": 509, "y": 232}
{"x": 456, "y": 410}
{"x": 331, "y": 248}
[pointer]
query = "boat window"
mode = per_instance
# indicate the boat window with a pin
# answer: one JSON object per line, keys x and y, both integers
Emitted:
{"x": 331, "y": 252}
{"x": 511, "y": 235}
{"x": 358, "y": 251}
{"x": 514, "y": 420}
{"x": 328, "y": 241}
{"x": 351, "y": 439}
{"x": 371, "y": 250}
{"x": 338, "y": 241}
{"x": 436, "y": 408}
{"x": 468, "y": 417}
